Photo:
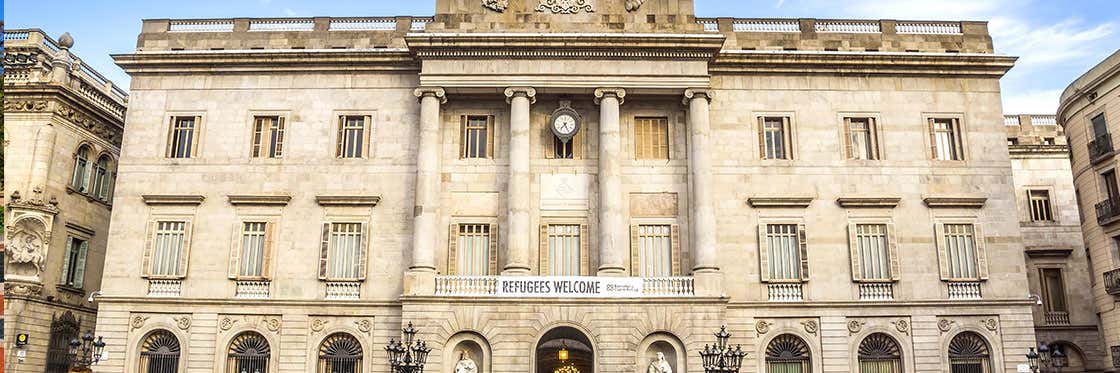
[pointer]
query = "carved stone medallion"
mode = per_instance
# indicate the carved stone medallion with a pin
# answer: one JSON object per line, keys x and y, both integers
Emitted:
{"x": 811, "y": 326}
{"x": 855, "y": 326}
{"x": 565, "y": 6}
{"x": 183, "y": 322}
{"x": 317, "y": 325}
{"x": 226, "y": 323}
{"x": 902, "y": 325}
{"x": 944, "y": 325}
{"x": 496, "y": 5}
{"x": 762, "y": 327}
{"x": 273, "y": 324}
{"x": 364, "y": 325}
{"x": 991, "y": 324}
{"x": 138, "y": 321}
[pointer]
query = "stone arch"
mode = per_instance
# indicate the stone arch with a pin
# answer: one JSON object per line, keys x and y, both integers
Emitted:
{"x": 132, "y": 362}
{"x": 994, "y": 345}
{"x": 340, "y": 352}
{"x": 226, "y": 343}
{"x": 557, "y": 335}
{"x": 1075, "y": 357}
{"x": 161, "y": 350}
{"x": 315, "y": 340}
{"x": 666, "y": 343}
{"x": 812, "y": 348}
{"x": 905, "y": 345}
{"x": 476, "y": 345}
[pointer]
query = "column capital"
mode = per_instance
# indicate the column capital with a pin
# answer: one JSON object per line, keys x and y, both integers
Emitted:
{"x": 616, "y": 92}
{"x": 529, "y": 92}
{"x": 436, "y": 92}
{"x": 692, "y": 93}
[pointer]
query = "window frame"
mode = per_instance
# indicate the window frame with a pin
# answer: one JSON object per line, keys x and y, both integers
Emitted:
{"x": 634, "y": 143}
{"x": 266, "y": 147}
{"x": 149, "y": 247}
{"x": 491, "y": 137}
{"x": 790, "y": 136}
{"x": 102, "y": 185}
{"x": 801, "y": 234}
{"x": 327, "y": 242}
{"x": 1110, "y": 189}
{"x": 676, "y": 256}
{"x": 957, "y": 122}
{"x": 979, "y": 248}
{"x": 894, "y": 260}
{"x": 79, "y": 268}
{"x": 875, "y": 135}
{"x": 82, "y": 178}
{"x": 271, "y": 225}
{"x": 454, "y": 231}
{"x": 1049, "y": 207}
{"x": 1046, "y": 292}
{"x": 196, "y": 140}
{"x": 585, "y": 238}
{"x": 366, "y": 137}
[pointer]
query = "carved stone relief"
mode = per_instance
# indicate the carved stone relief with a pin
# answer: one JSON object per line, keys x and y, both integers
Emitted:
{"x": 138, "y": 321}
{"x": 653, "y": 204}
{"x": 28, "y": 239}
{"x": 902, "y": 325}
{"x": 226, "y": 323}
{"x": 183, "y": 322}
{"x": 21, "y": 289}
{"x": 565, "y": 6}
{"x": 762, "y": 327}
{"x": 318, "y": 324}
{"x": 272, "y": 324}
{"x": 496, "y": 5}
{"x": 855, "y": 326}
{"x": 633, "y": 5}
{"x": 811, "y": 326}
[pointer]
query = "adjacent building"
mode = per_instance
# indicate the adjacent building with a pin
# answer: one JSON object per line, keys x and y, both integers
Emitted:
{"x": 63, "y": 125}
{"x": 613, "y": 179}
{"x": 1090, "y": 113}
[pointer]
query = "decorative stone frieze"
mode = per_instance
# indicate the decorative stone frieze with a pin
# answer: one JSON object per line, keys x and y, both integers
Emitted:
{"x": 496, "y": 5}
{"x": 565, "y": 6}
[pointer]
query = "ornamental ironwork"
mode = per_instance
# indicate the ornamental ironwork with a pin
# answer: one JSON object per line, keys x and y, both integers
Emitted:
{"x": 720, "y": 357}
{"x": 340, "y": 353}
{"x": 249, "y": 352}
{"x": 160, "y": 353}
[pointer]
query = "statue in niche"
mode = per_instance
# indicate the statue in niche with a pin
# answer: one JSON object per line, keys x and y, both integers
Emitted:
{"x": 27, "y": 247}
{"x": 465, "y": 364}
{"x": 659, "y": 365}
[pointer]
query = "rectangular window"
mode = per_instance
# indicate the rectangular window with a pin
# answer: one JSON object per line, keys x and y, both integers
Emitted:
{"x": 74, "y": 264}
{"x": 861, "y": 141}
{"x": 960, "y": 246}
{"x": 345, "y": 251}
{"x": 1100, "y": 127}
{"x": 563, "y": 149}
{"x": 1053, "y": 290}
{"x": 564, "y": 257}
{"x": 352, "y": 135}
{"x": 1040, "y": 205}
{"x": 1108, "y": 183}
{"x": 268, "y": 137}
{"x": 476, "y": 137}
{"x": 655, "y": 251}
{"x": 783, "y": 251}
{"x": 254, "y": 247}
{"x": 182, "y": 139}
{"x": 872, "y": 246}
{"x": 168, "y": 248}
{"x": 472, "y": 250}
{"x": 775, "y": 137}
{"x": 651, "y": 138}
{"x": 945, "y": 139}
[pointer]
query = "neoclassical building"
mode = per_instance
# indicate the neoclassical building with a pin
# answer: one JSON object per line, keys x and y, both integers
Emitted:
{"x": 608, "y": 178}
{"x": 63, "y": 125}
{"x": 1090, "y": 112}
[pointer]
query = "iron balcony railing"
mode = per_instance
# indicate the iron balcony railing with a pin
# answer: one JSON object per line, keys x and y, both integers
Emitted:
{"x": 1107, "y": 211}
{"x": 1100, "y": 147}
{"x": 1112, "y": 282}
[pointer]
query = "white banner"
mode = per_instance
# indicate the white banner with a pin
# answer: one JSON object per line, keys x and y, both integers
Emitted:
{"x": 574, "y": 287}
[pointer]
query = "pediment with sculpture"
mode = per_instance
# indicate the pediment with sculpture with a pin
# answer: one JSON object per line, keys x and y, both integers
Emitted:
{"x": 560, "y": 6}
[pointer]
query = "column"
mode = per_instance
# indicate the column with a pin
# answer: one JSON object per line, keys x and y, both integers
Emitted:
{"x": 703, "y": 215}
{"x": 613, "y": 231}
{"x": 518, "y": 193}
{"x": 421, "y": 278}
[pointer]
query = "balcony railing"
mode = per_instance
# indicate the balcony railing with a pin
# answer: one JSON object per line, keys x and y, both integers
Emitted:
{"x": 1112, "y": 282}
{"x": 252, "y": 289}
{"x": 475, "y": 286}
{"x": 164, "y": 288}
{"x": 466, "y": 285}
{"x": 1107, "y": 211}
{"x": 785, "y": 292}
{"x": 876, "y": 291}
{"x": 343, "y": 290}
{"x": 1100, "y": 147}
{"x": 1057, "y": 318}
{"x": 964, "y": 290}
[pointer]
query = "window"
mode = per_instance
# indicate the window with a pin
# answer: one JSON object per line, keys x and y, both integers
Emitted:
{"x": 340, "y": 353}
{"x": 248, "y": 353}
{"x": 651, "y": 138}
{"x": 874, "y": 255}
{"x": 959, "y": 245}
{"x": 783, "y": 252}
{"x": 656, "y": 250}
{"x": 1108, "y": 183}
{"x": 167, "y": 252}
{"x": 1040, "y": 205}
{"x": 879, "y": 353}
{"x": 101, "y": 178}
{"x": 474, "y": 250}
{"x": 565, "y": 254}
{"x": 252, "y": 255}
{"x": 969, "y": 353}
{"x": 268, "y": 137}
{"x": 1053, "y": 290}
{"x": 774, "y": 135}
{"x": 563, "y": 149}
{"x": 788, "y": 353}
{"x": 342, "y": 255}
{"x": 1100, "y": 127}
{"x": 80, "y": 181}
{"x": 74, "y": 264}
{"x": 160, "y": 353}
{"x": 861, "y": 140}
{"x": 182, "y": 140}
{"x": 352, "y": 135}
{"x": 476, "y": 137}
{"x": 1048, "y": 141}
{"x": 945, "y": 139}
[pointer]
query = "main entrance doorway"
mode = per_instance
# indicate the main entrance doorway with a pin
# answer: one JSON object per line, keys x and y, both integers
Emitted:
{"x": 565, "y": 350}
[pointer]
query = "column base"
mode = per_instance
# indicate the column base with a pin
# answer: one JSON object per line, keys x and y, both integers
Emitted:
{"x": 708, "y": 283}
{"x": 516, "y": 271}
{"x": 612, "y": 271}
{"x": 420, "y": 281}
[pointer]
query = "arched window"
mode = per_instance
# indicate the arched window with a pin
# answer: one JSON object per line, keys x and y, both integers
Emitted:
{"x": 340, "y": 353}
{"x": 969, "y": 353}
{"x": 788, "y": 354}
{"x": 101, "y": 178}
{"x": 159, "y": 353}
{"x": 248, "y": 353}
{"x": 81, "y": 169}
{"x": 879, "y": 353}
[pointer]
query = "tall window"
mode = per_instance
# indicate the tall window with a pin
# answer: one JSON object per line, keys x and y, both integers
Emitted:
{"x": 160, "y": 353}
{"x": 256, "y": 242}
{"x": 788, "y": 353}
{"x": 1040, "y": 205}
{"x": 872, "y": 251}
{"x": 248, "y": 353}
{"x": 969, "y": 353}
{"x": 80, "y": 180}
{"x": 651, "y": 138}
{"x": 268, "y": 137}
{"x": 1053, "y": 290}
{"x": 774, "y": 135}
{"x": 340, "y": 353}
{"x": 655, "y": 251}
{"x": 960, "y": 248}
{"x": 476, "y": 137}
{"x": 862, "y": 142}
{"x": 783, "y": 252}
{"x": 1108, "y": 183}
{"x": 74, "y": 264}
{"x": 945, "y": 139}
{"x": 472, "y": 250}
{"x": 343, "y": 254}
{"x": 879, "y": 353}
{"x": 563, "y": 149}
{"x": 1100, "y": 127}
{"x": 168, "y": 251}
{"x": 101, "y": 179}
{"x": 352, "y": 135}
{"x": 564, "y": 250}
{"x": 182, "y": 140}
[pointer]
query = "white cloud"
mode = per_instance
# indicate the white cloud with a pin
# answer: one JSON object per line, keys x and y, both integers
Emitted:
{"x": 1041, "y": 45}
{"x": 1031, "y": 102}
{"x": 936, "y": 10}
{"x": 779, "y": 4}
{"x": 289, "y": 12}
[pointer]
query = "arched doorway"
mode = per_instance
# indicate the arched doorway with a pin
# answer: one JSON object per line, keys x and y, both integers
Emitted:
{"x": 575, "y": 344}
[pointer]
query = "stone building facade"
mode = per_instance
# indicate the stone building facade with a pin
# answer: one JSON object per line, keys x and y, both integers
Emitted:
{"x": 1065, "y": 317}
{"x": 63, "y": 124}
{"x": 1090, "y": 112}
{"x": 612, "y": 178}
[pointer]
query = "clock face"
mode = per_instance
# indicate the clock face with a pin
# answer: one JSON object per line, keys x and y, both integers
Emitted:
{"x": 565, "y": 124}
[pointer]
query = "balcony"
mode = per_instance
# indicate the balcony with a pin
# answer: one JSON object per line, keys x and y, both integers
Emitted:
{"x": 876, "y": 291}
{"x": 1108, "y": 211}
{"x": 164, "y": 288}
{"x": 969, "y": 290}
{"x": 564, "y": 286}
{"x": 343, "y": 290}
{"x": 252, "y": 289}
{"x": 1100, "y": 148}
{"x": 1057, "y": 318}
{"x": 785, "y": 292}
{"x": 1112, "y": 282}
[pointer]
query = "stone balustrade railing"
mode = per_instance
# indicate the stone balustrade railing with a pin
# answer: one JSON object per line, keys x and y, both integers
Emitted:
{"x": 668, "y": 286}
{"x": 20, "y": 63}
{"x": 343, "y": 290}
{"x": 363, "y": 24}
{"x": 876, "y": 291}
{"x": 964, "y": 290}
{"x": 253, "y": 289}
{"x": 850, "y": 27}
{"x": 831, "y": 26}
{"x": 488, "y": 286}
{"x": 1112, "y": 282}
{"x": 785, "y": 292}
{"x": 165, "y": 288}
{"x": 284, "y": 24}
{"x": 929, "y": 28}
{"x": 766, "y": 25}
{"x": 200, "y": 25}
{"x": 1057, "y": 318}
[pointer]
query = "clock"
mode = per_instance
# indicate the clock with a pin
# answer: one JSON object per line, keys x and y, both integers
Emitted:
{"x": 565, "y": 122}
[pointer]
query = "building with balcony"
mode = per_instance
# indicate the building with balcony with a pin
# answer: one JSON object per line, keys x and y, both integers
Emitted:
{"x": 63, "y": 125}
{"x": 1064, "y": 316}
{"x": 613, "y": 179}
{"x": 1090, "y": 112}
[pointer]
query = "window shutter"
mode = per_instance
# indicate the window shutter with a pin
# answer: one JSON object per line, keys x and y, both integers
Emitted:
{"x": 892, "y": 247}
{"x": 149, "y": 240}
{"x": 584, "y": 251}
{"x": 80, "y": 269}
{"x": 462, "y": 136}
{"x": 367, "y": 134}
{"x": 339, "y": 137}
{"x": 932, "y": 140}
{"x": 958, "y": 139}
{"x": 761, "y": 138}
{"x": 170, "y": 136}
{"x": 675, "y": 250}
{"x": 279, "y": 146}
{"x": 490, "y": 128}
{"x": 363, "y": 252}
{"x": 453, "y": 249}
{"x": 269, "y": 248}
{"x": 873, "y": 137}
{"x": 981, "y": 253}
{"x": 763, "y": 254}
{"x": 66, "y": 260}
{"x": 577, "y": 145}
{"x": 185, "y": 254}
{"x": 324, "y": 250}
{"x": 493, "y": 264}
{"x": 235, "y": 250}
{"x": 942, "y": 253}
{"x": 787, "y": 135}
{"x": 635, "y": 252}
{"x": 848, "y": 151}
{"x": 543, "y": 252}
{"x": 804, "y": 247}
{"x": 853, "y": 249}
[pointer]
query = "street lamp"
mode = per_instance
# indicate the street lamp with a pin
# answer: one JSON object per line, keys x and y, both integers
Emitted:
{"x": 409, "y": 356}
{"x": 721, "y": 358}
{"x": 1047, "y": 357}
{"x": 85, "y": 352}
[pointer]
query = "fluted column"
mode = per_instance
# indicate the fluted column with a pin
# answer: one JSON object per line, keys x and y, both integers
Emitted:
{"x": 703, "y": 217}
{"x": 426, "y": 210}
{"x": 520, "y": 198}
{"x": 613, "y": 246}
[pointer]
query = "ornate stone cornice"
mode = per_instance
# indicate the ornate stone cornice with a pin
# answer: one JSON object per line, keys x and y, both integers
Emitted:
{"x": 300, "y": 60}
{"x": 870, "y": 202}
{"x": 616, "y": 92}
{"x": 955, "y": 202}
{"x": 56, "y": 100}
{"x": 861, "y": 63}
{"x": 368, "y": 201}
{"x": 436, "y": 92}
{"x": 529, "y": 92}
{"x": 166, "y": 199}
{"x": 796, "y": 202}
{"x": 619, "y": 46}
{"x": 259, "y": 200}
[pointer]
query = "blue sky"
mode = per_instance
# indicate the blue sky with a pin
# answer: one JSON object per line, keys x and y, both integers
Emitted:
{"x": 1056, "y": 40}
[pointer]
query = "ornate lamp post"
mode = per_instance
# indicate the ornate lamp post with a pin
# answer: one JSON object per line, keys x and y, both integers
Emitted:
{"x": 85, "y": 352}
{"x": 1047, "y": 358}
{"x": 720, "y": 357}
{"x": 409, "y": 356}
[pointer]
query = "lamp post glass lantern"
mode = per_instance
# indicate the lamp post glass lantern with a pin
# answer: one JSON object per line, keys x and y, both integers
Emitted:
{"x": 86, "y": 351}
{"x": 720, "y": 357}
{"x": 407, "y": 355}
{"x": 1049, "y": 358}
